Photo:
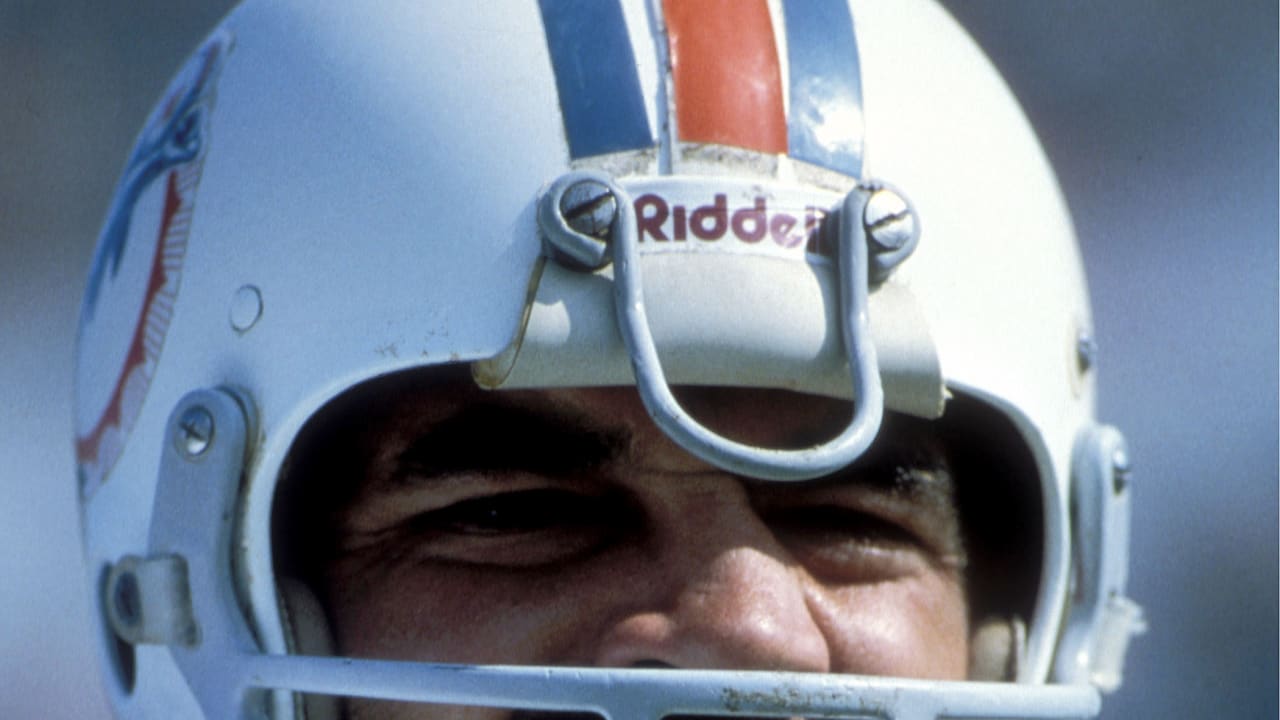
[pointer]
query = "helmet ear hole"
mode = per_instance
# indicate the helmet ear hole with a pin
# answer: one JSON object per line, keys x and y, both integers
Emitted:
{"x": 122, "y": 658}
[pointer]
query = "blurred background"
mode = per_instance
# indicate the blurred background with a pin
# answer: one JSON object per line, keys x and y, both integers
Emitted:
{"x": 1160, "y": 116}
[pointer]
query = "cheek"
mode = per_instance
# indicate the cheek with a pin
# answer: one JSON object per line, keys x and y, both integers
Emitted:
{"x": 457, "y": 614}
{"x": 916, "y": 627}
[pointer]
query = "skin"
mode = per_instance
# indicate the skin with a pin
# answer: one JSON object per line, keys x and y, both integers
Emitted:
{"x": 563, "y": 528}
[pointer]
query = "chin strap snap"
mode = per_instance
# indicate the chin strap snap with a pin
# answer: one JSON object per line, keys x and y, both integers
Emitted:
{"x": 604, "y": 231}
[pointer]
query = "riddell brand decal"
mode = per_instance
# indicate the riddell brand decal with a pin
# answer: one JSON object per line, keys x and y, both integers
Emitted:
{"x": 661, "y": 220}
{"x": 133, "y": 282}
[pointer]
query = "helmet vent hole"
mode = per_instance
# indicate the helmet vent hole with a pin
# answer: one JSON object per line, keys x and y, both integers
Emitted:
{"x": 122, "y": 658}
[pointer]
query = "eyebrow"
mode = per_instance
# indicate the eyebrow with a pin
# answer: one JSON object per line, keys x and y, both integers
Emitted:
{"x": 905, "y": 463}
{"x": 492, "y": 437}
{"x": 908, "y": 467}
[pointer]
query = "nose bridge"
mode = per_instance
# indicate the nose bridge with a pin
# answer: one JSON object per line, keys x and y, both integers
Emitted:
{"x": 724, "y": 596}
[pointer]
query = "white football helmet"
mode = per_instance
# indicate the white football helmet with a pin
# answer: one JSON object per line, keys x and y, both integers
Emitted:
{"x": 548, "y": 193}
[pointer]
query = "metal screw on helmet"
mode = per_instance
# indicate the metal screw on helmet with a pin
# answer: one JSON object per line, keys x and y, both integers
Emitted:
{"x": 576, "y": 216}
{"x": 892, "y": 230}
{"x": 888, "y": 220}
{"x": 589, "y": 207}
{"x": 194, "y": 433}
{"x": 1120, "y": 470}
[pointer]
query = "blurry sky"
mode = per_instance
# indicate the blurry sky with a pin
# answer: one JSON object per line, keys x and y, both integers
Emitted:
{"x": 1160, "y": 116}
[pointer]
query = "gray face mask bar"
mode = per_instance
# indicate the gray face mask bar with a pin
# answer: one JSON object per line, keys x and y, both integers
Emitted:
{"x": 653, "y": 693}
{"x": 618, "y": 243}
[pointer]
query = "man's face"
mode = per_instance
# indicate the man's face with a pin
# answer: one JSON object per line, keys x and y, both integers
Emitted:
{"x": 563, "y": 528}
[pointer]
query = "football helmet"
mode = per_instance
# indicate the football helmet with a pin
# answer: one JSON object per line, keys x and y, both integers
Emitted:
{"x": 836, "y": 197}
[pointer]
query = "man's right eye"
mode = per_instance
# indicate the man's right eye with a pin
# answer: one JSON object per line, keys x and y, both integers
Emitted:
{"x": 509, "y": 513}
{"x": 524, "y": 528}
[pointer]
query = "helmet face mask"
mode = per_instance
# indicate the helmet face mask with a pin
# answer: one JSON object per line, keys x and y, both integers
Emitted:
{"x": 568, "y": 279}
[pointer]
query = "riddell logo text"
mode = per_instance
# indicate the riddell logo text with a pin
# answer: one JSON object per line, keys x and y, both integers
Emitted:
{"x": 662, "y": 221}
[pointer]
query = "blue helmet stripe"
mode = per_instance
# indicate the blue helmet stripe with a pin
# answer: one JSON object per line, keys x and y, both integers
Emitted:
{"x": 825, "y": 125}
{"x": 596, "y": 77}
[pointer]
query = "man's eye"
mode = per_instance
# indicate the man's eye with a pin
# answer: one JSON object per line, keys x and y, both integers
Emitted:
{"x": 843, "y": 544}
{"x": 511, "y": 513}
{"x": 514, "y": 530}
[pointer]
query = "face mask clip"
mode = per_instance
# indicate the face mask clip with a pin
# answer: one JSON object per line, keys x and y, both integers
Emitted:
{"x": 182, "y": 594}
{"x": 1102, "y": 619}
{"x": 872, "y": 217}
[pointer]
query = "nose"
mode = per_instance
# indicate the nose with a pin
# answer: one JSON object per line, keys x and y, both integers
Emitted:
{"x": 735, "y": 605}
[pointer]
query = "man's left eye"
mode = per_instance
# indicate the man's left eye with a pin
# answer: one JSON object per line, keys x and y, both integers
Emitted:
{"x": 517, "y": 512}
{"x": 830, "y": 521}
{"x": 517, "y": 529}
{"x": 845, "y": 545}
